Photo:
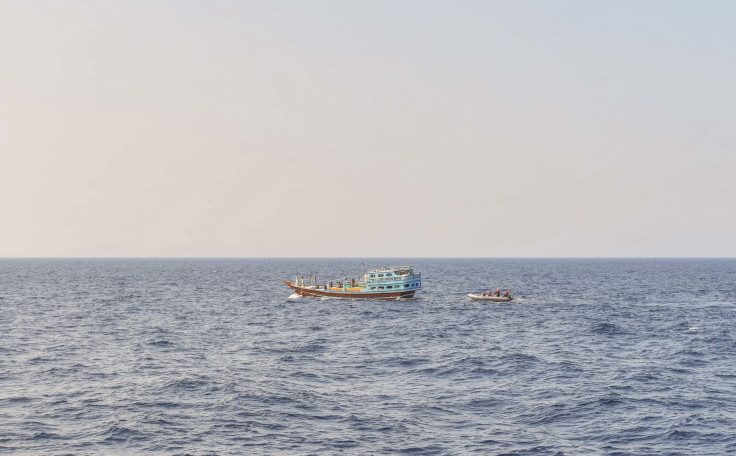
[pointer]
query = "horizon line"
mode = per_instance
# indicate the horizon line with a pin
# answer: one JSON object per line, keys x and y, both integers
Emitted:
{"x": 358, "y": 258}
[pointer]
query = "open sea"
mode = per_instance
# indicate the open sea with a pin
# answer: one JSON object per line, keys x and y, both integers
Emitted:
{"x": 210, "y": 357}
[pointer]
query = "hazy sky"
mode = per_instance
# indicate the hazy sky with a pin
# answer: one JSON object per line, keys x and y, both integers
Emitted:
{"x": 363, "y": 129}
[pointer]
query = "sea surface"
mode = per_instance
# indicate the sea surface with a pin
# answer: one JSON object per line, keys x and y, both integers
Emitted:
{"x": 211, "y": 357}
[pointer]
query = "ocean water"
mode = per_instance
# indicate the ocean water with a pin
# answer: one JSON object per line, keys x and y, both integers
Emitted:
{"x": 208, "y": 356}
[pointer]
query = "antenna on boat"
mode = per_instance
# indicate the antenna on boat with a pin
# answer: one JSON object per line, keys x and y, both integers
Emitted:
{"x": 362, "y": 267}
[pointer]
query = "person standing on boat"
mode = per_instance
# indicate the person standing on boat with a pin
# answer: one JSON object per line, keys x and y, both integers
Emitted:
{"x": 498, "y": 292}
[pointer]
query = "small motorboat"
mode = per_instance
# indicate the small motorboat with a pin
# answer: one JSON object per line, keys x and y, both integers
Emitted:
{"x": 489, "y": 297}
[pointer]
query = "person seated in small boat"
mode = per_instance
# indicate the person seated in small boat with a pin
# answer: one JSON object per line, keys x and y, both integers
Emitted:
{"x": 498, "y": 292}
{"x": 484, "y": 293}
{"x": 506, "y": 294}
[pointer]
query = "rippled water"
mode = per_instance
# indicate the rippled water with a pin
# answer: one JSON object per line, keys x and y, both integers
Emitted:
{"x": 629, "y": 357}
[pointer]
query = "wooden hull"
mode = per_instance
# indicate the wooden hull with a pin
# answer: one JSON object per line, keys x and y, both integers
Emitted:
{"x": 322, "y": 293}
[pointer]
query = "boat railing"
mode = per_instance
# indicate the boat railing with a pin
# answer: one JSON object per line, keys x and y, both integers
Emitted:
{"x": 393, "y": 279}
{"x": 386, "y": 268}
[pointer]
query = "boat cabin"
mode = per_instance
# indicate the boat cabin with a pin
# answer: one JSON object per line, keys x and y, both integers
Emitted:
{"x": 392, "y": 279}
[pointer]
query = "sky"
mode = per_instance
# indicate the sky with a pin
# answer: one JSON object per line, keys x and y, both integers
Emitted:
{"x": 367, "y": 128}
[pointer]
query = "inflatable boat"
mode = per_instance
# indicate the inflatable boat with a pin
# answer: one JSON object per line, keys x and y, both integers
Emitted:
{"x": 492, "y": 297}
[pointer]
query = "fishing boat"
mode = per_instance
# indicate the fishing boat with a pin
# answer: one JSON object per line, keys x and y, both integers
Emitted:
{"x": 489, "y": 297}
{"x": 378, "y": 283}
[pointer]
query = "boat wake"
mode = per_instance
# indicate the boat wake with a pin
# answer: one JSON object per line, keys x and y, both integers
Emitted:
{"x": 294, "y": 297}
